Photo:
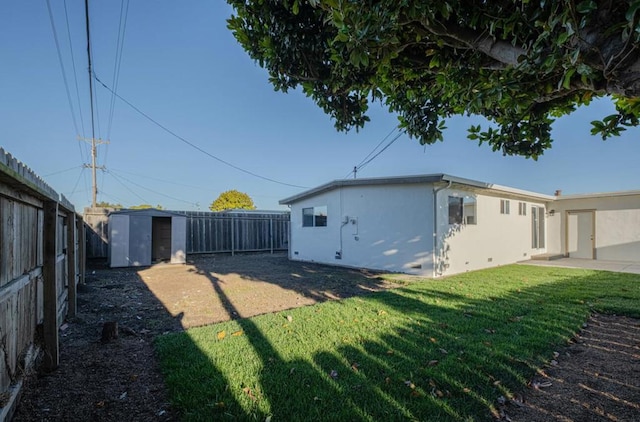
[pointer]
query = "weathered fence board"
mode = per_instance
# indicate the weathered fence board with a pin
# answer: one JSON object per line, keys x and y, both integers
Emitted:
{"x": 38, "y": 271}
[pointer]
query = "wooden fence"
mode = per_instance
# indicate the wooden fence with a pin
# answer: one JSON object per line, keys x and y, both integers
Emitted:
{"x": 207, "y": 232}
{"x": 41, "y": 263}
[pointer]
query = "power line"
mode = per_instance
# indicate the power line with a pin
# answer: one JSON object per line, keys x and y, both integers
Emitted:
{"x": 192, "y": 145}
{"x": 62, "y": 171}
{"x": 150, "y": 190}
{"x": 73, "y": 65}
{"x": 77, "y": 181}
{"x": 117, "y": 179}
{"x": 159, "y": 180}
{"x": 361, "y": 166}
{"x": 377, "y": 146}
{"x": 122, "y": 29}
{"x": 364, "y": 161}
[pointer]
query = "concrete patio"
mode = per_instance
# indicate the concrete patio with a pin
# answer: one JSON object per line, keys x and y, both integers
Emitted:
{"x": 590, "y": 264}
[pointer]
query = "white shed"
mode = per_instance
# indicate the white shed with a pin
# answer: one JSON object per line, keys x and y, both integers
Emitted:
{"x": 140, "y": 237}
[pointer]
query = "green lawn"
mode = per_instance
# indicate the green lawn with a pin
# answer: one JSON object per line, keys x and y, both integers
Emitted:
{"x": 440, "y": 350}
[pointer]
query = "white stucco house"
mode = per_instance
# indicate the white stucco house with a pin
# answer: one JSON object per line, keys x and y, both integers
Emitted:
{"x": 435, "y": 225}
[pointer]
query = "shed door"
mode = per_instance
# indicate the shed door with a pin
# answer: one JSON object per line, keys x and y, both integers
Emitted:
{"x": 139, "y": 240}
{"x": 580, "y": 234}
{"x": 161, "y": 238}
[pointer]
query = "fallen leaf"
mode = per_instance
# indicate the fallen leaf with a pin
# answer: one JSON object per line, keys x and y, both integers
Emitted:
{"x": 466, "y": 390}
{"x": 496, "y": 382}
{"x": 410, "y": 384}
{"x": 248, "y": 392}
{"x": 387, "y": 380}
{"x": 237, "y": 333}
{"x": 443, "y": 351}
{"x": 489, "y": 331}
{"x": 538, "y": 385}
{"x": 416, "y": 393}
{"x": 220, "y": 405}
{"x": 433, "y": 362}
{"x": 100, "y": 403}
{"x": 517, "y": 400}
{"x": 381, "y": 312}
{"x": 433, "y": 340}
{"x": 123, "y": 396}
{"x": 554, "y": 362}
{"x": 355, "y": 366}
{"x": 289, "y": 318}
{"x": 439, "y": 393}
{"x": 221, "y": 335}
{"x": 292, "y": 371}
{"x": 390, "y": 352}
{"x": 333, "y": 374}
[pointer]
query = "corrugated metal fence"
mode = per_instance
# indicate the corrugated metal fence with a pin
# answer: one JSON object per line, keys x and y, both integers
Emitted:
{"x": 211, "y": 232}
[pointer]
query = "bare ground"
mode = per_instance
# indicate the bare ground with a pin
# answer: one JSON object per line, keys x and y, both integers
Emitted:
{"x": 595, "y": 379}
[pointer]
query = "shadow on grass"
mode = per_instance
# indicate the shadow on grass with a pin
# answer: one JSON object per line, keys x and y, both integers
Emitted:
{"x": 421, "y": 352}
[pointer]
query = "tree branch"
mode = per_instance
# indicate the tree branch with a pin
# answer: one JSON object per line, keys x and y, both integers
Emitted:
{"x": 498, "y": 50}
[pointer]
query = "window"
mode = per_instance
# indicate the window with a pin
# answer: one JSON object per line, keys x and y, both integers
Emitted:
{"x": 455, "y": 210}
{"x": 504, "y": 206}
{"x": 469, "y": 210}
{"x": 522, "y": 208}
{"x": 462, "y": 210}
{"x": 314, "y": 216}
{"x": 537, "y": 227}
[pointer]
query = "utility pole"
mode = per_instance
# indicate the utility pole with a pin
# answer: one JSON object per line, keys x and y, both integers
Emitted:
{"x": 93, "y": 166}
{"x": 94, "y": 142}
{"x": 355, "y": 170}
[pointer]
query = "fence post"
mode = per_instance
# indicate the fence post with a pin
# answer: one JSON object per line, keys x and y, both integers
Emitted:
{"x": 233, "y": 234}
{"x": 82, "y": 249}
{"x": 71, "y": 263}
{"x": 49, "y": 291}
{"x": 271, "y": 234}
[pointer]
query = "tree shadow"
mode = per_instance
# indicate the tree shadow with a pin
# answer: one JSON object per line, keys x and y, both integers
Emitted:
{"x": 449, "y": 358}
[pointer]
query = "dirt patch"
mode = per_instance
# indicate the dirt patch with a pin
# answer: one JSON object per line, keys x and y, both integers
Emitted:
{"x": 596, "y": 378}
{"x": 120, "y": 380}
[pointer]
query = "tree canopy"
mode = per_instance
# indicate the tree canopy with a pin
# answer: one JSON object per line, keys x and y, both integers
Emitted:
{"x": 145, "y": 207}
{"x": 104, "y": 204}
{"x": 519, "y": 63}
{"x": 232, "y": 200}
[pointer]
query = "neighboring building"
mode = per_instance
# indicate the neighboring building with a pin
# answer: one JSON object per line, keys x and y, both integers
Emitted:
{"x": 596, "y": 226}
{"x": 435, "y": 225}
{"x": 140, "y": 237}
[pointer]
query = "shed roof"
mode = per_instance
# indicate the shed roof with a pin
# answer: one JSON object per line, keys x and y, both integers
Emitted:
{"x": 153, "y": 212}
{"x": 424, "y": 178}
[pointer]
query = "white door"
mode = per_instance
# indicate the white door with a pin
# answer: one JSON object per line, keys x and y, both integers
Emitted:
{"x": 580, "y": 234}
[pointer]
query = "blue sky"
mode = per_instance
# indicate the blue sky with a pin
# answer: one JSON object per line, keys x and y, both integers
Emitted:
{"x": 181, "y": 66}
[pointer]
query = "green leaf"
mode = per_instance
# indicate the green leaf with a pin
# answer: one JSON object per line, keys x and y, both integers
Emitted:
{"x": 587, "y": 6}
{"x": 633, "y": 8}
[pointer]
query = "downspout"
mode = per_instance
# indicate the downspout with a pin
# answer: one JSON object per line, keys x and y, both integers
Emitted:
{"x": 435, "y": 223}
